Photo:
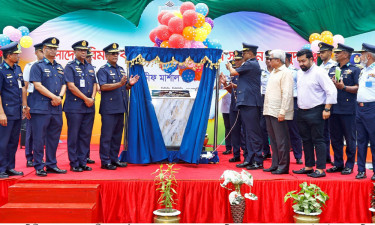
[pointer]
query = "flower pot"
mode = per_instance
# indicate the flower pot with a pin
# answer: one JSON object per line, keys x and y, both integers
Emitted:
{"x": 163, "y": 216}
{"x": 238, "y": 211}
{"x": 301, "y": 217}
{"x": 373, "y": 217}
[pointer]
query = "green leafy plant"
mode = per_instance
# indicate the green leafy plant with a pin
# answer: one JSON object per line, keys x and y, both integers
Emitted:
{"x": 309, "y": 199}
{"x": 166, "y": 183}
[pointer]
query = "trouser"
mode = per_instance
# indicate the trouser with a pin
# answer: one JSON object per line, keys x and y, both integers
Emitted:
{"x": 295, "y": 138}
{"x": 263, "y": 127}
{"x": 228, "y": 141}
{"x": 110, "y": 138}
{"x": 238, "y": 134}
{"x": 327, "y": 139}
{"x": 29, "y": 141}
{"x": 9, "y": 138}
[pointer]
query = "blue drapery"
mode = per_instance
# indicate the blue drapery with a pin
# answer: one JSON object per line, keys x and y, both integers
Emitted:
{"x": 145, "y": 141}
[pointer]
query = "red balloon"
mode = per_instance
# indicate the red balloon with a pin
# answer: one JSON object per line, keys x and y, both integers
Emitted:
{"x": 165, "y": 19}
{"x": 176, "y": 25}
{"x": 163, "y": 33}
{"x": 187, "y": 6}
{"x": 161, "y": 14}
{"x": 1, "y": 53}
{"x": 190, "y": 18}
{"x": 153, "y": 35}
{"x": 176, "y": 41}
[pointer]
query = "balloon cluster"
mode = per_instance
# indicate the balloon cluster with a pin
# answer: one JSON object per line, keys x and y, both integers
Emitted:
{"x": 20, "y": 35}
{"x": 326, "y": 37}
{"x": 187, "y": 28}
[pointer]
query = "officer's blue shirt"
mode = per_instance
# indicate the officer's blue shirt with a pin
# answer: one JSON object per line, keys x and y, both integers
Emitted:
{"x": 264, "y": 80}
{"x": 294, "y": 71}
{"x": 114, "y": 101}
{"x": 83, "y": 77}
{"x": 233, "y": 96}
{"x": 346, "y": 102}
{"x": 51, "y": 75}
{"x": 10, "y": 91}
{"x": 249, "y": 84}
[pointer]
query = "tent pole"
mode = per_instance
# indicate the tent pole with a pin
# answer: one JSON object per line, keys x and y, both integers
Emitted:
{"x": 216, "y": 109}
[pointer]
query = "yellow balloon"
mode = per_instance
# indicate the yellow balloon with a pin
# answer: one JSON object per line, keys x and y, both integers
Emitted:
{"x": 201, "y": 34}
{"x": 207, "y": 27}
{"x": 327, "y": 39}
{"x": 26, "y": 42}
{"x": 178, "y": 14}
{"x": 201, "y": 20}
{"x": 189, "y": 33}
{"x": 314, "y": 37}
{"x": 164, "y": 44}
{"x": 324, "y": 33}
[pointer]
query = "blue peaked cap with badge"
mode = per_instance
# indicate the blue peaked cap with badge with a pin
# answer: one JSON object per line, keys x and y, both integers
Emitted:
{"x": 111, "y": 48}
{"x": 81, "y": 45}
{"x": 342, "y": 47}
{"x": 367, "y": 48}
{"x": 51, "y": 42}
{"x": 237, "y": 54}
{"x": 38, "y": 46}
{"x": 12, "y": 48}
{"x": 248, "y": 47}
{"x": 325, "y": 47}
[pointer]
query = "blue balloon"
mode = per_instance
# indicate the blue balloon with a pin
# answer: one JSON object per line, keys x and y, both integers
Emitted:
{"x": 214, "y": 44}
{"x": 202, "y": 9}
{"x": 170, "y": 68}
{"x": 307, "y": 46}
{"x": 4, "y": 40}
{"x": 206, "y": 42}
{"x": 188, "y": 76}
{"x": 24, "y": 30}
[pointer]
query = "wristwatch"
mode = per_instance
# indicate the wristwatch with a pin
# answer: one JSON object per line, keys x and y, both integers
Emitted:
{"x": 327, "y": 109}
{"x": 24, "y": 107}
{"x": 62, "y": 97}
{"x": 344, "y": 88}
{"x": 93, "y": 99}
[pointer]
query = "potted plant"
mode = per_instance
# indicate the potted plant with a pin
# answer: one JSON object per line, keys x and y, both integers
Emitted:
{"x": 166, "y": 183}
{"x": 372, "y": 209}
{"x": 307, "y": 203}
{"x": 236, "y": 200}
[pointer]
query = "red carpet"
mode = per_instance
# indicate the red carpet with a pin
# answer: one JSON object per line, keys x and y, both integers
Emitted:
{"x": 128, "y": 194}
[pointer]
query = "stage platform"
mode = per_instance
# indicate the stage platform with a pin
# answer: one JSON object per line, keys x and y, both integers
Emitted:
{"x": 127, "y": 195}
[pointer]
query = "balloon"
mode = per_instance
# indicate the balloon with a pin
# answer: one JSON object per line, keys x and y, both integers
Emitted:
{"x": 307, "y": 46}
{"x": 188, "y": 75}
{"x": 24, "y": 30}
{"x": 161, "y": 14}
{"x": 165, "y": 19}
{"x": 176, "y": 25}
{"x": 199, "y": 68}
{"x": 202, "y": 9}
{"x": 197, "y": 44}
{"x": 158, "y": 41}
{"x": 315, "y": 46}
{"x": 210, "y": 21}
{"x": 169, "y": 68}
{"x": 15, "y": 35}
{"x": 163, "y": 33}
{"x": 152, "y": 35}
{"x": 189, "y": 33}
{"x": 206, "y": 42}
{"x": 214, "y": 44}
{"x": 201, "y": 34}
{"x": 207, "y": 28}
{"x": 176, "y": 41}
{"x": 4, "y": 40}
{"x": 26, "y": 42}
{"x": 164, "y": 44}
{"x": 201, "y": 20}
{"x": 326, "y": 33}
{"x": 1, "y": 53}
{"x": 313, "y": 37}
{"x": 187, "y": 44}
{"x": 338, "y": 39}
{"x": 190, "y": 18}
{"x": 8, "y": 30}
{"x": 186, "y": 6}
{"x": 178, "y": 14}
{"x": 327, "y": 39}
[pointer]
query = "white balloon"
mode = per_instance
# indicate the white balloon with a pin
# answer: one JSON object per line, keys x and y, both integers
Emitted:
{"x": 315, "y": 46}
{"x": 338, "y": 39}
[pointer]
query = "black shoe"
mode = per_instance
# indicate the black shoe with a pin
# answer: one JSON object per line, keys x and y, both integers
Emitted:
{"x": 86, "y": 168}
{"x": 3, "y": 175}
{"x": 29, "y": 163}
{"x": 41, "y": 173}
{"x": 267, "y": 156}
{"x": 303, "y": 171}
{"x": 120, "y": 164}
{"x": 90, "y": 161}
{"x": 234, "y": 159}
{"x": 55, "y": 170}
{"x": 227, "y": 152}
{"x": 373, "y": 177}
{"x": 361, "y": 175}
{"x": 13, "y": 172}
{"x": 242, "y": 165}
{"x": 347, "y": 171}
{"x": 76, "y": 169}
{"x": 328, "y": 161}
{"x": 255, "y": 166}
{"x": 317, "y": 174}
{"x": 270, "y": 169}
{"x": 299, "y": 161}
{"x": 108, "y": 167}
{"x": 335, "y": 169}
{"x": 280, "y": 172}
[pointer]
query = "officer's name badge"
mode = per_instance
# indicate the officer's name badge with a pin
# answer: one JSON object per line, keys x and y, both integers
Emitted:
{"x": 47, "y": 70}
{"x": 60, "y": 72}
{"x": 91, "y": 71}
{"x": 59, "y": 68}
{"x": 371, "y": 75}
{"x": 9, "y": 76}
{"x": 112, "y": 74}
{"x": 20, "y": 74}
{"x": 348, "y": 71}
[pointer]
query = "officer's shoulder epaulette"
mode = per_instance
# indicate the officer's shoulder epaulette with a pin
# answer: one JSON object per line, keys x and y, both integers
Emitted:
{"x": 102, "y": 67}
{"x": 70, "y": 62}
{"x": 40, "y": 61}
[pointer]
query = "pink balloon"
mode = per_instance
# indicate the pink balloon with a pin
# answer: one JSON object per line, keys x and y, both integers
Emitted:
{"x": 176, "y": 25}
{"x": 152, "y": 35}
{"x": 15, "y": 35}
{"x": 161, "y": 14}
{"x": 163, "y": 33}
{"x": 176, "y": 41}
{"x": 187, "y": 44}
{"x": 315, "y": 46}
{"x": 338, "y": 39}
{"x": 190, "y": 18}
{"x": 165, "y": 19}
{"x": 197, "y": 44}
{"x": 187, "y": 6}
{"x": 8, "y": 30}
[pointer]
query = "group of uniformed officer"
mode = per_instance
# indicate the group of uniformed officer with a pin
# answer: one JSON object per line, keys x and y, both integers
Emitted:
{"x": 46, "y": 84}
{"x": 353, "y": 115}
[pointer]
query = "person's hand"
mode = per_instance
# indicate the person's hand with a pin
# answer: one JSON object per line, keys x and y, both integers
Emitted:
{"x": 228, "y": 65}
{"x": 89, "y": 102}
{"x": 223, "y": 79}
{"x": 56, "y": 101}
{"x": 98, "y": 89}
{"x": 281, "y": 118}
{"x": 133, "y": 80}
{"x": 326, "y": 115}
{"x": 26, "y": 112}
{"x": 340, "y": 85}
{"x": 3, "y": 120}
{"x": 123, "y": 80}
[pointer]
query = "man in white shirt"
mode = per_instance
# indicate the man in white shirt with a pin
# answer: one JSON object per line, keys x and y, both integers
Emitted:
{"x": 315, "y": 95}
{"x": 30, "y": 89}
{"x": 278, "y": 108}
